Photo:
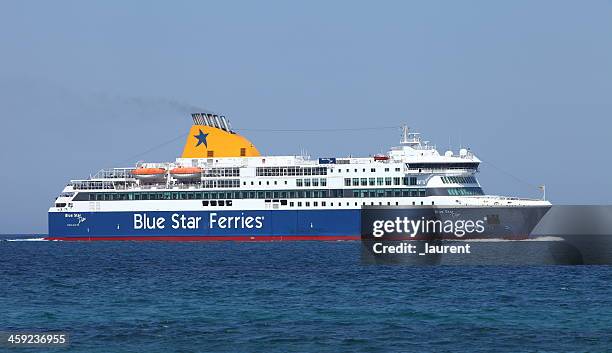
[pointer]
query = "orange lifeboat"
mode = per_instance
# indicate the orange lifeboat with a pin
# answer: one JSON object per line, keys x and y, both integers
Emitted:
{"x": 380, "y": 157}
{"x": 185, "y": 173}
{"x": 149, "y": 174}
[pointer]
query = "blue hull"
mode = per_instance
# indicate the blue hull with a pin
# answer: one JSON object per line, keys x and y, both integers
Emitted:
{"x": 264, "y": 225}
{"x": 206, "y": 225}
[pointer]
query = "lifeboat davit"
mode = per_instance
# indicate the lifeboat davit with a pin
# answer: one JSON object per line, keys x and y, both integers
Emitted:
{"x": 186, "y": 173}
{"x": 149, "y": 174}
{"x": 380, "y": 157}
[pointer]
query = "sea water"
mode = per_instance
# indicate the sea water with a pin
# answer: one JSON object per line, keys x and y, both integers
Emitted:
{"x": 292, "y": 296}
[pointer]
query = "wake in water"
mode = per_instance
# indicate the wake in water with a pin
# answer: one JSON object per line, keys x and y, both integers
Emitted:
{"x": 25, "y": 237}
{"x": 499, "y": 240}
{"x": 28, "y": 239}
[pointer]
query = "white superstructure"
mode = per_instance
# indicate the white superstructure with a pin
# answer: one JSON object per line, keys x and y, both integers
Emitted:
{"x": 411, "y": 174}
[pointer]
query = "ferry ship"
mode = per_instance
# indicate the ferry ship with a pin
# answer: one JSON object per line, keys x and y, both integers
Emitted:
{"x": 222, "y": 188}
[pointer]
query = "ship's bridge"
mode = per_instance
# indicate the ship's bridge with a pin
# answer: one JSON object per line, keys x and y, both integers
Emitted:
{"x": 420, "y": 154}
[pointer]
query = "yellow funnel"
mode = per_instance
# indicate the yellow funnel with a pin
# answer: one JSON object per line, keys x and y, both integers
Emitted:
{"x": 206, "y": 141}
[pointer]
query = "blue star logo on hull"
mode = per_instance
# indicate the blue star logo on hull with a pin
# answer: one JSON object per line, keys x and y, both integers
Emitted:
{"x": 201, "y": 138}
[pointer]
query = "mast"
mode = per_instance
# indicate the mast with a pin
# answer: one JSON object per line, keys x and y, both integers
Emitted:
{"x": 405, "y": 134}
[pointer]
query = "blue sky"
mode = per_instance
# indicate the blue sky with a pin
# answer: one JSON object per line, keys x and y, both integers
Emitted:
{"x": 527, "y": 85}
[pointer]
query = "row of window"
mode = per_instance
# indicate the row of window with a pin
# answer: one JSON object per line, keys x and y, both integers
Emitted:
{"x": 458, "y": 180}
{"x": 311, "y": 182}
{"x": 372, "y": 170}
{"x": 380, "y": 181}
{"x": 324, "y": 203}
{"x": 390, "y": 193}
{"x": 298, "y": 171}
{"x": 280, "y": 194}
{"x": 464, "y": 191}
{"x": 308, "y": 182}
{"x": 459, "y": 165}
{"x": 222, "y": 172}
{"x": 221, "y": 183}
{"x": 290, "y": 171}
{"x": 215, "y": 203}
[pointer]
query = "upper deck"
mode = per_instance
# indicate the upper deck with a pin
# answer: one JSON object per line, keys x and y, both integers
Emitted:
{"x": 413, "y": 157}
{"x": 218, "y": 164}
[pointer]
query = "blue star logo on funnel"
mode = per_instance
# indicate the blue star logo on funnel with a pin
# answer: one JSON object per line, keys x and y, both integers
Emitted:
{"x": 201, "y": 138}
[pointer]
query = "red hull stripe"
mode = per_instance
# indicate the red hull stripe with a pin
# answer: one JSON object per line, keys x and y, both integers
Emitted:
{"x": 211, "y": 238}
{"x": 255, "y": 238}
